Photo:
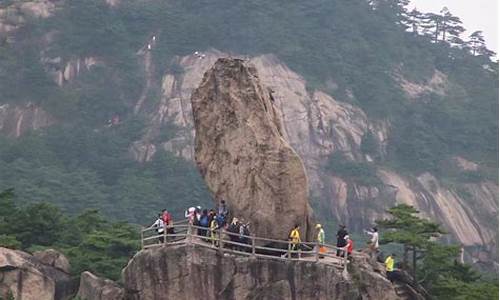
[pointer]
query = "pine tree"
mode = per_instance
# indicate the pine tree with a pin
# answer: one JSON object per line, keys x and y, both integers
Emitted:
{"x": 413, "y": 232}
{"x": 451, "y": 27}
{"x": 477, "y": 44}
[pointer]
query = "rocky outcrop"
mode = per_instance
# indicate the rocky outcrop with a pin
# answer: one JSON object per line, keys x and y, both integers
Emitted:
{"x": 14, "y": 15}
{"x": 242, "y": 154}
{"x": 18, "y": 119}
{"x": 191, "y": 272}
{"x": 25, "y": 277}
{"x": 437, "y": 84}
{"x": 96, "y": 288}
{"x": 316, "y": 125}
{"x": 53, "y": 258}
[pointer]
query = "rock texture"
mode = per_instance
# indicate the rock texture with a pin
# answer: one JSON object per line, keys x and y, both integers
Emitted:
{"x": 54, "y": 259}
{"x": 316, "y": 125}
{"x": 96, "y": 288}
{"x": 18, "y": 119}
{"x": 185, "y": 272}
{"x": 242, "y": 154}
{"x": 26, "y": 277}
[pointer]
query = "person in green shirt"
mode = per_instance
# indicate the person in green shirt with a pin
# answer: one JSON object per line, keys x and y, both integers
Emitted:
{"x": 320, "y": 238}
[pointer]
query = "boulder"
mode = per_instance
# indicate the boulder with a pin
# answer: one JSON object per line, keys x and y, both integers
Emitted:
{"x": 25, "y": 277}
{"x": 96, "y": 288}
{"x": 53, "y": 258}
{"x": 242, "y": 154}
{"x": 194, "y": 272}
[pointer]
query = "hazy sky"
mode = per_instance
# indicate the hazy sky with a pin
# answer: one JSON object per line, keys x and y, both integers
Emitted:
{"x": 475, "y": 14}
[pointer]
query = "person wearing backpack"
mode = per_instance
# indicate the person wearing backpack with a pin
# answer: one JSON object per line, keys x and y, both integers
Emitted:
{"x": 204, "y": 222}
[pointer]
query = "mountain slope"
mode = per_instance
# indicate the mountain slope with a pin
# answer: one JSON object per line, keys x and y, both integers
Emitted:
{"x": 378, "y": 114}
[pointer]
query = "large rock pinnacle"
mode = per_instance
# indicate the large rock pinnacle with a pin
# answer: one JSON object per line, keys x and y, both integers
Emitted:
{"x": 242, "y": 154}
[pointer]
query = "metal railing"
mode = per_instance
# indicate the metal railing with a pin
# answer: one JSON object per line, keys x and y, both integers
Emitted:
{"x": 182, "y": 232}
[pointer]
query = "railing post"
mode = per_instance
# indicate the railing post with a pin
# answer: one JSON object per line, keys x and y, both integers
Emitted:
{"x": 219, "y": 238}
{"x": 288, "y": 254}
{"x": 345, "y": 259}
{"x": 142, "y": 237}
{"x": 300, "y": 252}
{"x": 188, "y": 235}
{"x": 253, "y": 245}
{"x": 317, "y": 251}
{"x": 164, "y": 234}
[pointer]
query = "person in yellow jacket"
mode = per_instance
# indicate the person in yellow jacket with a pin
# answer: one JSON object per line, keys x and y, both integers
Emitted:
{"x": 389, "y": 267}
{"x": 295, "y": 237}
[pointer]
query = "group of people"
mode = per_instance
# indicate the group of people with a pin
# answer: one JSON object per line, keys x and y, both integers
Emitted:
{"x": 208, "y": 221}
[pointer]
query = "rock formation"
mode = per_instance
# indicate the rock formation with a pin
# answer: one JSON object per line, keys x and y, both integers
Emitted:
{"x": 185, "y": 272}
{"x": 26, "y": 277}
{"x": 18, "y": 119}
{"x": 242, "y": 154}
{"x": 54, "y": 259}
{"x": 96, "y": 288}
{"x": 316, "y": 125}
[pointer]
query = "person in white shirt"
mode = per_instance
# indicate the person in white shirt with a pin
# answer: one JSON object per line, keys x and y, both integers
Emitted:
{"x": 373, "y": 245}
{"x": 159, "y": 225}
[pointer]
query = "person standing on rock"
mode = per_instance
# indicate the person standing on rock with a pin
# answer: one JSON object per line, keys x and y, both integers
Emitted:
{"x": 159, "y": 225}
{"x": 222, "y": 210}
{"x": 320, "y": 238}
{"x": 167, "y": 221}
{"x": 204, "y": 222}
{"x": 295, "y": 237}
{"x": 213, "y": 230}
{"x": 341, "y": 242}
{"x": 350, "y": 246}
{"x": 373, "y": 243}
{"x": 389, "y": 267}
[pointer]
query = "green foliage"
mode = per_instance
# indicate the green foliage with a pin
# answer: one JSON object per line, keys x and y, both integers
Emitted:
{"x": 407, "y": 228}
{"x": 88, "y": 240}
{"x": 434, "y": 264}
{"x": 360, "y": 172}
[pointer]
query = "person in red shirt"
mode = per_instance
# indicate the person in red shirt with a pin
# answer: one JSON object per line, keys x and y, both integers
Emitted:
{"x": 350, "y": 246}
{"x": 167, "y": 221}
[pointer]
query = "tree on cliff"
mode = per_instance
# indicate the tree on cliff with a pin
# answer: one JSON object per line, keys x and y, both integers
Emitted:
{"x": 413, "y": 232}
{"x": 434, "y": 265}
{"x": 477, "y": 44}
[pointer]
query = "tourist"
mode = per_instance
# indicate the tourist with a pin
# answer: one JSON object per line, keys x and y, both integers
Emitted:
{"x": 320, "y": 238}
{"x": 222, "y": 210}
{"x": 167, "y": 221}
{"x": 213, "y": 230}
{"x": 341, "y": 242}
{"x": 373, "y": 243}
{"x": 295, "y": 237}
{"x": 159, "y": 225}
{"x": 350, "y": 246}
{"x": 389, "y": 267}
{"x": 204, "y": 223}
{"x": 233, "y": 230}
{"x": 190, "y": 214}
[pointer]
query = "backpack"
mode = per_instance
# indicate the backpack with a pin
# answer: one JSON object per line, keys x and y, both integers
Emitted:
{"x": 204, "y": 221}
{"x": 220, "y": 220}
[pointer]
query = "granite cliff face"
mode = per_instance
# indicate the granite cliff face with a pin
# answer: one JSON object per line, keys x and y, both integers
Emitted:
{"x": 27, "y": 277}
{"x": 316, "y": 125}
{"x": 242, "y": 154}
{"x": 186, "y": 272}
